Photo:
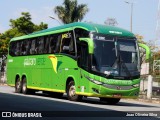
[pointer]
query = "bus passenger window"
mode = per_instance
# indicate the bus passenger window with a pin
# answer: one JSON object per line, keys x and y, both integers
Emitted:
{"x": 12, "y": 48}
{"x": 33, "y": 49}
{"x": 28, "y": 46}
{"x": 40, "y": 45}
{"x": 53, "y": 41}
{"x": 67, "y": 44}
{"x": 46, "y": 44}
{"x": 17, "y": 50}
{"x": 57, "y": 49}
{"x": 23, "y": 48}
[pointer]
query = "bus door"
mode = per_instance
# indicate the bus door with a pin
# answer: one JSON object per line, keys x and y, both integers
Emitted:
{"x": 83, "y": 63}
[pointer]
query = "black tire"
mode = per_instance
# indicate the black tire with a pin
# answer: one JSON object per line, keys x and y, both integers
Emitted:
{"x": 25, "y": 90}
{"x": 110, "y": 101}
{"x": 71, "y": 92}
{"x": 18, "y": 86}
{"x": 24, "y": 86}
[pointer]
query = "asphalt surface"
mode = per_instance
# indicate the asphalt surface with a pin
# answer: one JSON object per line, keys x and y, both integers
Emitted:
{"x": 47, "y": 107}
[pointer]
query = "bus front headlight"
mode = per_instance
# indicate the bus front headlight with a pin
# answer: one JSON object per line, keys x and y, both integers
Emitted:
{"x": 94, "y": 81}
{"x": 136, "y": 85}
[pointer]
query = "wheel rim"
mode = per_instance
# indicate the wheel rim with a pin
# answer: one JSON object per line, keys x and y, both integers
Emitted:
{"x": 72, "y": 91}
{"x": 18, "y": 85}
{"x": 24, "y": 87}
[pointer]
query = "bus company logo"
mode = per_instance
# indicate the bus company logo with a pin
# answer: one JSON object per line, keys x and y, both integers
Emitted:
{"x": 29, "y": 61}
{"x": 6, "y": 114}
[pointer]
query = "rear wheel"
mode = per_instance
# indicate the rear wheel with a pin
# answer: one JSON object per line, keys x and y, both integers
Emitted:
{"x": 71, "y": 92}
{"x": 18, "y": 86}
{"x": 111, "y": 101}
{"x": 25, "y": 90}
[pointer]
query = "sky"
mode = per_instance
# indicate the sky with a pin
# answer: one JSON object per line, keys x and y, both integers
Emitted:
{"x": 144, "y": 13}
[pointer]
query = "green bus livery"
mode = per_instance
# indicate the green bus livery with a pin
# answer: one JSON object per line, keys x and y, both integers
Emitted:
{"x": 80, "y": 59}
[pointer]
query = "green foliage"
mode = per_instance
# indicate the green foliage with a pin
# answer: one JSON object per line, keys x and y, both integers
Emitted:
{"x": 71, "y": 11}
{"x": 25, "y": 25}
{"x": 20, "y": 26}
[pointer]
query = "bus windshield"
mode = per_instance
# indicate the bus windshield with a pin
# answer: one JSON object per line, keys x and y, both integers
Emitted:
{"x": 117, "y": 58}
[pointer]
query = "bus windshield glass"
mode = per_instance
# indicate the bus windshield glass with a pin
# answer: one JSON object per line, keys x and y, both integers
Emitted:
{"x": 115, "y": 57}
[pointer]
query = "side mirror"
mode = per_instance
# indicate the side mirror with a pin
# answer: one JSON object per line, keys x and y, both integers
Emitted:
{"x": 147, "y": 49}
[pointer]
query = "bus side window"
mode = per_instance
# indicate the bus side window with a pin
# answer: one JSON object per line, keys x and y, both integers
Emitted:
{"x": 40, "y": 44}
{"x": 58, "y": 43}
{"x": 23, "y": 47}
{"x": 28, "y": 46}
{"x": 46, "y": 44}
{"x": 53, "y": 41}
{"x": 12, "y": 48}
{"x": 67, "y": 44}
{"x": 17, "y": 50}
{"x": 33, "y": 49}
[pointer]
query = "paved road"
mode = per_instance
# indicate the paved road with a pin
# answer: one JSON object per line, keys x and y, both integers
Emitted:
{"x": 89, "y": 107}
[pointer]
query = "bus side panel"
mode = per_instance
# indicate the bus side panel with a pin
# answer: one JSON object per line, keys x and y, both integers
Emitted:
{"x": 13, "y": 69}
{"x": 68, "y": 69}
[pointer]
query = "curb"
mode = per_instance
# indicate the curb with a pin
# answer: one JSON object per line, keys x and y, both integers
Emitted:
{"x": 153, "y": 100}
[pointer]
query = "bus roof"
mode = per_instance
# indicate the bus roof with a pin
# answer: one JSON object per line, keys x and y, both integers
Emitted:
{"x": 104, "y": 29}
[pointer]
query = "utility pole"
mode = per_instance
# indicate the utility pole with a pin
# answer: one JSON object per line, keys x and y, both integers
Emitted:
{"x": 131, "y": 17}
{"x": 156, "y": 41}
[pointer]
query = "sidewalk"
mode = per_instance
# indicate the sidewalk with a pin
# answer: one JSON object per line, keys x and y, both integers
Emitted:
{"x": 143, "y": 98}
{"x": 153, "y": 100}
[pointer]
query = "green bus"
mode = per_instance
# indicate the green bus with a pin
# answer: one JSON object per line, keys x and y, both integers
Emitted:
{"x": 80, "y": 59}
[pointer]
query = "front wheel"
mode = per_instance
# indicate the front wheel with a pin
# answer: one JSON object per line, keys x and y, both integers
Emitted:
{"x": 111, "y": 101}
{"x": 71, "y": 92}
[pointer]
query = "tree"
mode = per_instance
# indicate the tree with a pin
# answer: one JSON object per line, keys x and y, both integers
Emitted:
{"x": 20, "y": 26}
{"x": 25, "y": 25}
{"x": 5, "y": 38}
{"x": 71, "y": 11}
{"x": 111, "y": 22}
